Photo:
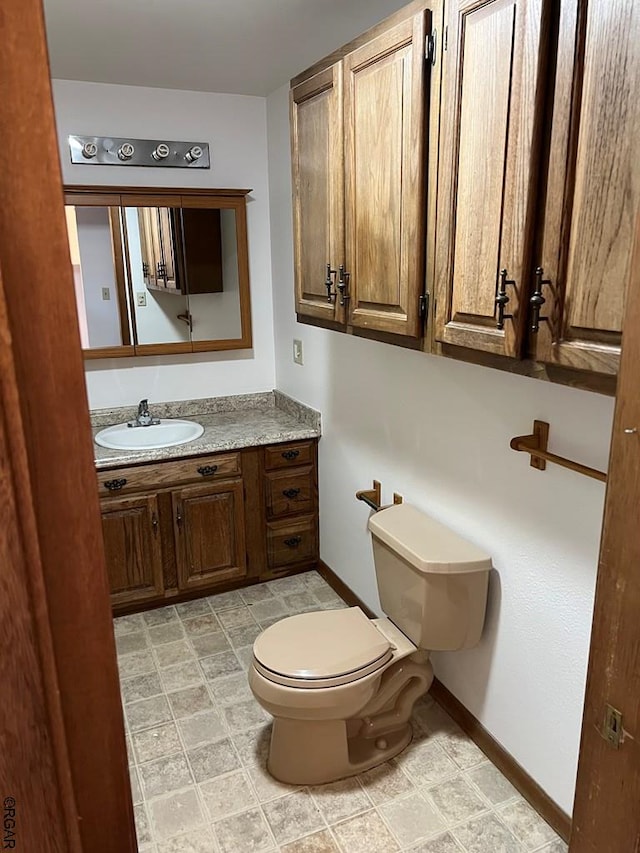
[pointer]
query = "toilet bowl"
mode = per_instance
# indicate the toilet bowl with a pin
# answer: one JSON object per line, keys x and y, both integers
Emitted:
{"x": 341, "y": 686}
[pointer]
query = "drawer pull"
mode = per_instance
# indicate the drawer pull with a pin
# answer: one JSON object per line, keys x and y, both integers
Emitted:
{"x": 115, "y": 485}
{"x": 154, "y": 524}
{"x": 293, "y": 542}
{"x": 207, "y": 470}
{"x": 291, "y": 493}
{"x": 290, "y": 454}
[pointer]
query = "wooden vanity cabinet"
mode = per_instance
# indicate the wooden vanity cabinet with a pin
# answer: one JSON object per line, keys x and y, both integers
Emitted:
{"x": 176, "y": 529}
{"x": 359, "y": 174}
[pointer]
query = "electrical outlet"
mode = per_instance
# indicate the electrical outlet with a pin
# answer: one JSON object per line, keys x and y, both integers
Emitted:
{"x": 141, "y": 299}
{"x": 106, "y": 294}
{"x": 297, "y": 352}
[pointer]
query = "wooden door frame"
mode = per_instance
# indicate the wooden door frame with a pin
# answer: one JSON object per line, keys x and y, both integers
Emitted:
{"x": 606, "y": 815}
{"x": 64, "y": 757}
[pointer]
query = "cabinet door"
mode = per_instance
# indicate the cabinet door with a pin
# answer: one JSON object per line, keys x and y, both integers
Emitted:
{"x": 593, "y": 189}
{"x": 132, "y": 548}
{"x": 493, "y": 97}
{"x": 318, "y": 191}
{"x": 210, "y": 534}
{"x": 384, "y": 98}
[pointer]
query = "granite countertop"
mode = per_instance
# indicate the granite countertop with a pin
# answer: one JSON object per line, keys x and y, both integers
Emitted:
{"x": 230, "y": 423}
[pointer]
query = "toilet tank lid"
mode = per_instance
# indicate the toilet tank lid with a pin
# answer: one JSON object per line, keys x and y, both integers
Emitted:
{"x": 425, "y": 543}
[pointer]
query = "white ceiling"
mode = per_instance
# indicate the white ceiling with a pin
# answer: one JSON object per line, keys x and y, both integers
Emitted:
{"x": 249, "y": 47}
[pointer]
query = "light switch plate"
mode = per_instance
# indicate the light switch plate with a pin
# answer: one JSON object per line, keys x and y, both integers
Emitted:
{"x": 106, "y": 294}
{"x": 297, "y": 351}
{"x": 141, "y": 299}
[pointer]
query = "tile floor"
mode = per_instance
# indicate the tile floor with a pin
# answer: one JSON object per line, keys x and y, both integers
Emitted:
{"x": 197, "y": 743}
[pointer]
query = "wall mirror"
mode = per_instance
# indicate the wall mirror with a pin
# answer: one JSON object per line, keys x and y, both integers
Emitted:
{"x": 159, "y": 271}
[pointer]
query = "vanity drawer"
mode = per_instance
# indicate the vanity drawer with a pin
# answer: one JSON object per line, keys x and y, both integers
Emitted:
{"x": 290, "y": 492}
{"x": 292, "y": 542}
{"x": 166, "y": 475}
{"x": 289, "y": 455}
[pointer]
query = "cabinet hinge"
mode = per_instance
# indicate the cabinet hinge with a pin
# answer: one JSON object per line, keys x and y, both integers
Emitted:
{"x": 423, "y": 305}
{"x": 430, "y": 47}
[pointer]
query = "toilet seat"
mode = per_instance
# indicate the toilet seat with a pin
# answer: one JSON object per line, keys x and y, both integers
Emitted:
{"x": 322, "y": 649}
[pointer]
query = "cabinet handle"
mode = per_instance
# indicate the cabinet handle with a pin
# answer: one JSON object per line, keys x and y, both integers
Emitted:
{"x": 115, "y": 485}
{"x": 178, "y": 517}
{"x": 154, "y": 524}
{"x": 343, "y": 284}
{"x": 502, "y": 300}
{"x": 291, "y": 493}
{"x": 328, "y": 283}
{"x": 537, "y": 300}
{"x": 293, "y": 542}
{"x": 207, "y": 470}
{"x": 290, "y": 454}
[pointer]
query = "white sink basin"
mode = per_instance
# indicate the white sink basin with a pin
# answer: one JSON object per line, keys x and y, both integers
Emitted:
{"x": 167, "y": 433}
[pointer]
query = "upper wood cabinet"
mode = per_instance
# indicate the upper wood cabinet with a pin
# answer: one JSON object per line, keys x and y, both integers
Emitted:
{"x": 492, "y": 108}
{"x": 593, "y": 186}
{"x": 359, "y": 176}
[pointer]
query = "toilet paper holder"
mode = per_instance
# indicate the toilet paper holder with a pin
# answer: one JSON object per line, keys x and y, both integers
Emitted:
{"x": 373, "y": 497}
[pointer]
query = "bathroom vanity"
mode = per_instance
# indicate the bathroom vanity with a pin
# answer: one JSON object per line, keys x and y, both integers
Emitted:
{"x": 237, "y": 505}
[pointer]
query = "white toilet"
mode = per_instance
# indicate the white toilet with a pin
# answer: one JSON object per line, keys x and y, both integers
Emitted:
{"x": 341, "y": 686}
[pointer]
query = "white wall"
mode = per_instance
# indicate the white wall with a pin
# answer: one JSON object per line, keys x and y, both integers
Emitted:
{"x": 235, "y": 128}
{"x": 93, "y": 231}
{"x": 438, "y": 432}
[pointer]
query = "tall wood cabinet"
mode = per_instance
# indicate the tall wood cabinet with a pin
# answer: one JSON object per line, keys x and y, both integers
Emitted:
{"x": 359, "y": 167}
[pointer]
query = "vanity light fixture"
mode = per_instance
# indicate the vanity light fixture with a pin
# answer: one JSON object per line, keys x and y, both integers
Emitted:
{"x": 113, "y": 151}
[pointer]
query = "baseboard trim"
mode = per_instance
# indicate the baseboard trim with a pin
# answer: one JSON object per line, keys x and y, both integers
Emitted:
{"x": 495, "y": 752}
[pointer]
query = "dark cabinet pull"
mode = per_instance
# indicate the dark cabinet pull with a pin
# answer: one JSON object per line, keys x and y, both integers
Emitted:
{"x": 178, "y": 517}
{"x": 502, "y": 300}
{"x": 115, "y": 485}
{"x": 343, "y": 284}
{"x": 154, "y": 524}
{"x": 328, "y": 283}
{"x": 290, "y": 454}
{"x": 537, "y": 300}
{"x": 291, "y": 493}
{"x": 207, "y": 470}
{"x": 293, "y": 542}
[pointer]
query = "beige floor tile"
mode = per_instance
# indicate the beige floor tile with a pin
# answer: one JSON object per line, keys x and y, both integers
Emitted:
{"x": 487, "y": 834}
{"x": 266, "y": 787}
{"x": 166, "y": 633}
{"x": 495, "y": 787}
{"x": 236, "y": 618}
{"x": 254, "y": 594}
{"x": 385, "y": 782}
{"x": 124, "y": 624}
{"x": 147, "y": 713}
{"x": 339, "y": 800}
{"x": 135, "y": 641}
{"x": 365, "y": 833}
{"x": 319, "y": 842}
{"x": 165, "y": 775}
{"x": 160, "y": 616}
{"x": 225, "y": 601}
{"x": 231, "y": 689}
{"x": 442, "y": 844}
{"x": 227, "y": 795}
{"x": 427, "y": 762}
{"x": 201, "y": 728}
{"x": 245, "y": 656}
{"x": 526, "y": 824}
{"x": 245, "y": 635}
{"x": 130, "y": 753}
{"x": 207, "y": 623}
{"x": 178, "y": 813}
{"x": 143, "y": 831}
{"x": 253, "y": 745}
{"x": 462, "y": 750}
{"x": 557, "y": 846}
{"x": 136, "y": 789}
{"x": 213, "y": 759}
{"x": 268, "y": 609}
{"x": 136, "y": 663}
{"x": 156, "y": 743}
{"x": 210, "y": 644}
{"x": 301, "y": 602}
{"x": 218, "y": 665}
{"x": 293, "y": 816}
{"x": 247, "y": 831}
{"x": 181, "y": 675}
{"x": 189, "y": 609}
{"x": 190, "y": 701}
{"x": 431, "y": 718}
{"x": 173, "y": 653}
{"x": 411, "y": 818}
{"x": 140, "y": 687}
{"x": 196, "y": 841}
{"x": 325, "y": 594}
{"x": 456, "y": 800}
{"x": 244, "y": 715}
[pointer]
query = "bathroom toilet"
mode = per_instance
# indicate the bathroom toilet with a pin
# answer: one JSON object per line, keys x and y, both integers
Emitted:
{"x": 341, "y": 686}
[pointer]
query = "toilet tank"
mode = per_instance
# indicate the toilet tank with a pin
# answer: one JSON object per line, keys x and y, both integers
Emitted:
{"x": 432, "y": 583}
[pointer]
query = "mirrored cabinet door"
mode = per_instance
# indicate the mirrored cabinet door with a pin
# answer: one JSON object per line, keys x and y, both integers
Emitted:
{"x": 172, "y": 271}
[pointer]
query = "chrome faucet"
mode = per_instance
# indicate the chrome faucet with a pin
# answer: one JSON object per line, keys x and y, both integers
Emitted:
{"x": 144, "y": 417}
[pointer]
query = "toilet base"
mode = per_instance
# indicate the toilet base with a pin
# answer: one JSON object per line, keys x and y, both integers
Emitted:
{"x": 305, "y": 752}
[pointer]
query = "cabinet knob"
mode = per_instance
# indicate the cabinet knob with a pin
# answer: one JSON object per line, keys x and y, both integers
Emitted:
{"x": 207, "y": 470}
{"x": 290, "y": 454}
{"x": 291, "y": 493}
{"x": 154, "y": 524}
{"x": 178, "y": 517}
{"x": 115, "y": 485}
{"x": 293, "y": 541}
